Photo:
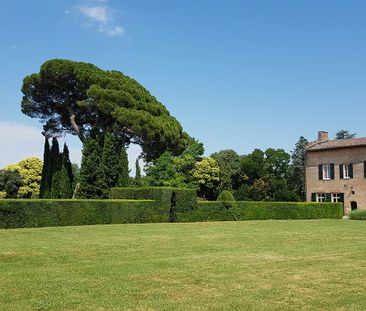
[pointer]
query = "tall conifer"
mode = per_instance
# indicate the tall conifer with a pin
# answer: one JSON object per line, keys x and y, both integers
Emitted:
{"x": 91, "y": 158}
{"x": 109, "y": 167}
{"x": 123, "y": 178}
{"x": 138, "y": 181}
{"x": 66, "y": 163}
{"x": 45, "y": 169}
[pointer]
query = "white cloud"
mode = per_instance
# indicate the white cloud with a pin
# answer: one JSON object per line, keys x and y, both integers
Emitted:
{"x": 96, "y": 13}
{"x": 19, "y": 141}
{"x": 99, "y": 15}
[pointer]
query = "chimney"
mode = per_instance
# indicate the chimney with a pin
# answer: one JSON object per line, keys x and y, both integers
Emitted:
{"x": 323, "y": 136}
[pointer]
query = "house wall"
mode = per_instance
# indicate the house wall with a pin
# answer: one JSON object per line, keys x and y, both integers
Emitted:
{"x": 353, "y": 189}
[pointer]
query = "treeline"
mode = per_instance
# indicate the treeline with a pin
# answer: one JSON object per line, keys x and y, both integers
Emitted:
{"x": 272, "y": 175}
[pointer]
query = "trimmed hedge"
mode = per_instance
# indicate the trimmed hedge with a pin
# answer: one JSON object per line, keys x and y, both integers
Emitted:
{"x": 24, "y": 213}
{"x": 219, "y": 211}
{"x": 358, "y": 215}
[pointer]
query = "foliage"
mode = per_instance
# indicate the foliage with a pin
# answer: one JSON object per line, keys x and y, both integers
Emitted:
{"x": 138, "y": 180}
{"x": 73, "y": 97}
{"x": 225, "y": 196}
{"x": 46, "y": 169}
{"x": 219, "y": 211}
{"x": 267, "y": 175}
{"x": 109, "y": 168}
{"x": 10, "y": 182}
{"x": 297, "y": 168}
{"x": 175, "y": 171}
{"x": 230, "y": 169}
{"x": 358, "y": 215}
{"x": 123, "y": 170}
{"x": 207, "y": 175}
{"x": 67, "y": 165}
{"x": 52, "y": 212}
{"x": 91, "y": 158}
{"x": 345, "y": 134}
{"x": 30, "y": 171}
{"x": 61, "y": 188}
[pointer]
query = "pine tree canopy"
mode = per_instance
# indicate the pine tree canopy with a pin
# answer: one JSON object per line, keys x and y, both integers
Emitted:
{"x": 73, "y": 97}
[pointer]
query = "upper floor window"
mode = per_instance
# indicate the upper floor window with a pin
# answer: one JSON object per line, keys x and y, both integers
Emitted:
{"x": 346, "y": 171}
{"x": 326, "y": 171}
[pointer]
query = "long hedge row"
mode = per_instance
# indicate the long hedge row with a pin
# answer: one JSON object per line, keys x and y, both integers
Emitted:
{"x": 143, "y": 205}
{"x": 220, "y": 211}
{"x": 49, "y": 213}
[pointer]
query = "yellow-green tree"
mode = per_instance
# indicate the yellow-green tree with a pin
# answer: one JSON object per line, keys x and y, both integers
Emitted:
{"x": 207, "y": 175}
{"x": 30, "y": 171}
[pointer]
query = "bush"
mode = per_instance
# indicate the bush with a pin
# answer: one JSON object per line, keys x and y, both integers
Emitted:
{"x": 178, "y": 199}
{"x": 358, "y": 215}
{"x": 218, "y": 211}
{"x": 225, "y": 196}
{"x": 28, "y": 213}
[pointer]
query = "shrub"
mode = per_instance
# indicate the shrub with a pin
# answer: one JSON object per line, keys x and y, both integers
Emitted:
{"x": 358, "y": 215}
{"x": 27, "y": 213}
{"x": 225, "y": 196}
{"x": 218, "y": 211}
{"x": 2, "y": 194}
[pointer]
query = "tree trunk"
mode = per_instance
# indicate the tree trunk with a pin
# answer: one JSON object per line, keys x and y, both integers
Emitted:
{"x": 76, "y": 128}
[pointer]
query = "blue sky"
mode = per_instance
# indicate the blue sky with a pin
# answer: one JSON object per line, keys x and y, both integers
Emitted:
{"x": 236, "y": 74}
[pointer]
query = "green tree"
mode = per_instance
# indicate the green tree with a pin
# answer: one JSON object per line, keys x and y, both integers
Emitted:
{"x": 91, "y": 158}
{"x": 163, "y": 172}
{"x": 175, "y": 171}
{"x": 345, "y": 134}
{"x": 207, "y": 175}
{"x": 66, "y": 163}
{"x": 138, "y": 179}
{"x": 30, "y": 171}
{"x": 10, "y": 182}
{"x": 61, "y": 188}
{"x": 73, "y": 97}
{"x": 230, "y": 169}
{"x": 109, "y": 168}
{"x": 46, "y": 173}
{"x": 123, "y": 171}
{"x": 297, "y": 168}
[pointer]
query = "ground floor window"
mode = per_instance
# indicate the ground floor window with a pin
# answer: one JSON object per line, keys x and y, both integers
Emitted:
{"x": 336, "y": 197}
{"x": 320, "y": 197}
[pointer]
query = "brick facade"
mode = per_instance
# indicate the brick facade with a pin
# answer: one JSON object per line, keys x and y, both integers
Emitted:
{"x": 353, "y": 189}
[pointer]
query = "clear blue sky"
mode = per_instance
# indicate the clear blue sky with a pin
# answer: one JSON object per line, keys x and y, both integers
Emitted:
{"x": 236, "y": 74}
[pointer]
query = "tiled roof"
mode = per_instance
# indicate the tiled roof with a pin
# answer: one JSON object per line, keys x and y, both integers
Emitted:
{"x": 335, "y": 144}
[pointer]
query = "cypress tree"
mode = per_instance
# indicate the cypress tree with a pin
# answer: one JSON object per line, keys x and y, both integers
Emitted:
{"x": 61, "y": 188}
{"x": 46, "y": 168}
{"x": 66, "y": 163}
{"x": 91, "y": 158}
{"x": 123, "y": 178}
{"x": 55, "y": 164}
{"x": 109, "y": 166}
{"x": 138, "y": 180}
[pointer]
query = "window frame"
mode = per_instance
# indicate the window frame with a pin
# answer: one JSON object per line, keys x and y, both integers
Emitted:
{"x": 336, "y": 197}
{"x": 346, "y": 170}
{"x": 326, "y": 171}
{"x": 320, "y": 197}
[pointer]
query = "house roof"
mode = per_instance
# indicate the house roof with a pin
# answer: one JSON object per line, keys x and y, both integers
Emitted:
{"x": 336, "y": 143}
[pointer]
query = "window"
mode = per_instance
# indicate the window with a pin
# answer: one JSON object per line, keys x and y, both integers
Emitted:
{"x": 336, "y": 197}
{"x": 320, "y": 197}
{"x": 326, "y": 171}
{"x": 346, "y": 170}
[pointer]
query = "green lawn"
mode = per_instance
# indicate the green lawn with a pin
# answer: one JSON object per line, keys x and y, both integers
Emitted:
{"x": 277, "y": 265}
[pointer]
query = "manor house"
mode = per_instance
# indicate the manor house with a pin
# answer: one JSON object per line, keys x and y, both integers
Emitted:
{"x": 336, "y": 171}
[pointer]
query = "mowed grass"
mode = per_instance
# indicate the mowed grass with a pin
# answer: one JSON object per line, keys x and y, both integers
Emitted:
{"x": 252, "y": 265}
